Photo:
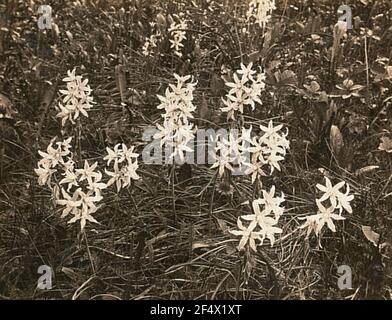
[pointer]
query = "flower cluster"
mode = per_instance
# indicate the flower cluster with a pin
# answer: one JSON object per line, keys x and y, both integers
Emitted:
{"x": 58, "y": 155}
{"x": 150, "y": 44}
{"x": 177, "y": 30}
{"x": 267, "y": 150}
{"x": 245, "y": 90}
{"x": 262, "y": 222}
{"x": 326, "y": 214}
{"x": 260, "y": 10}
{"x": 231, "y": 152}
{"x": 84, "y": 185}
{"x": 177, "y": 131}
{"x": 252, "y": 155}
{"x": 125, "y": 165}
{"x": 83, "y": 192}
{"x": 76, "y": 98}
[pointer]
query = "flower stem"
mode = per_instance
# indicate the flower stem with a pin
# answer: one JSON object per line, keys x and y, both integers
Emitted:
{"x": 88, "y": 252}
{"x": 173, "y": 177}
{"x": 212, "y": 202}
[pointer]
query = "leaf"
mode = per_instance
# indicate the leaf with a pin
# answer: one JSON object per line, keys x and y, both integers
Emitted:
{"x": 230, "y": 249}
{"x": 300, "y": 26}
{"x": 389, "y": 71}
{"x": 69, "y": 35}
{"x": 285, "y": 78}
{"x": 336, "y": 139}
{"x": 366, "y": 170}
{"x": 315, "y": 37}
{"x": 216, "y": 84}
{"x": 204, "y": 111}
{"x": 161, "y": 22}
{"x": 274, "y": 64}
{"x": 223, "y": 226}
{"x": 377, "y": 69}
{"x": 267, "y": 39}
{"x": 314, "y": 86}
{"x": 23, "y": 231}
{"x": 372, "y": 236}
{"x": 385, "y": 145}
{"x": 48, "y": 96}
{"x": 150, "y": 252}
{"x": 6, "y": 108}
{"x": 357, "y": 87}
{"x": 387, "y": 99}
{"x": 106, "y": 296}
{"x": 288, "y": 77}
{"x": 70, "y": 273}
{"x": 55, "y": 194}
{"x": 197, "y": 245}
{"x": 323, "y": 97}
{"x": 121, "y": 81}
{"x": 135, "y": 97}
{"x": 56, "y": 30}
{"x": 339, "y": 30}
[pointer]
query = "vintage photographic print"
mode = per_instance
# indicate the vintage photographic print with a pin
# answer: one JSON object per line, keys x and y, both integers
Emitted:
{"x": 195, "y": 150}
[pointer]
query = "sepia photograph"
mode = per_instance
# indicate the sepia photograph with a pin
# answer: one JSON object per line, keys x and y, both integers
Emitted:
{"x": 175, "y": 151}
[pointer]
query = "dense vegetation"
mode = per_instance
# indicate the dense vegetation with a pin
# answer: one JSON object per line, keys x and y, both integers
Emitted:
{"x": 169, "y": 233}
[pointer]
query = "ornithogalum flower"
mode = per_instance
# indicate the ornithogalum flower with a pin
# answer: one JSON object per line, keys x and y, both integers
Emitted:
{"x": 83, "y": 186}
{"x": 76, "y": 98}
{"x": 53, "y": 157}
{"x": 324, "y": 216}
{"x": 125, "y": 165}
{"x": 260, "y": 11}
{"x": 244, "y": 91}
{"x": 177, "y": 131}
{"x": 261, "y": 224}
{"x": 338, "y": 199}
{"x": 337, "y": 202}
{"x": 177, "y": 32}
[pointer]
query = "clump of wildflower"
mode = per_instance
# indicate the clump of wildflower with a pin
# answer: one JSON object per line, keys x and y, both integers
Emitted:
{"x": 231, "y": 152}
{"x": 338, "y": 199}
{"x": 267, "y": 150}
{"x": 76, "y": 99}
{"x": 55, "y": 156}
{"x": 83, "y": 186}
{"x": 177, "y": 31}
{"x": 222, "y": 155}
{"x": 251, "y": 155}
{"x": 83, "y": 192}
{"x": 262, "y": 221}
{"x": 149, "y": 44}
{"x": 260, "y": 11}
{"x": 327, "y": 214}
{"x": 245, "y": 90}
{"x": 176, "y": 131}
{"x": 125, "y": 165}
